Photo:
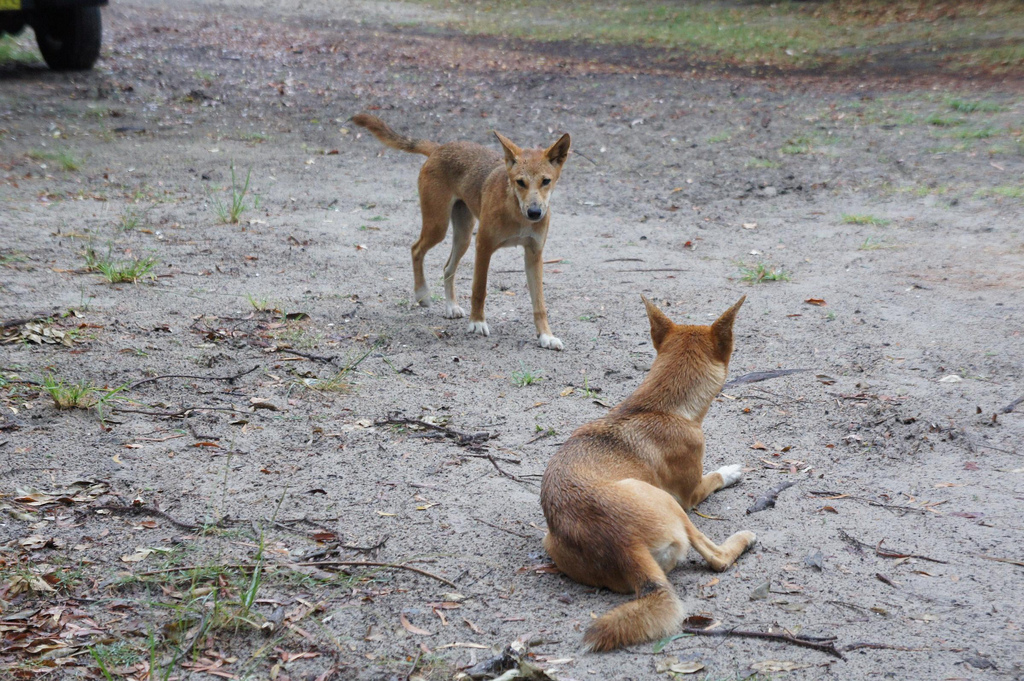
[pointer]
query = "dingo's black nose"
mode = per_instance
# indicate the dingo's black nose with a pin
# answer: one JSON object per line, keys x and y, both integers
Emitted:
{"x": 534, "y": 213}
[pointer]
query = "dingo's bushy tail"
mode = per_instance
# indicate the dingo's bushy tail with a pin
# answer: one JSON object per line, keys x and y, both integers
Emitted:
{"x": 657, "y": 612}
{"x": 391, "y": 138}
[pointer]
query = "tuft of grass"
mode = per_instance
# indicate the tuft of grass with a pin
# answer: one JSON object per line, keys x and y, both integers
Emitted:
{"x": 260, "y": 304}
{"x": 720, "y": 137}
{"x": 762, "y": 163}
{"x": 64, "y": 158}
{"x": 340, "y": 381}
{"x": 863, "y": 219}
{"x": 524, "y": 377}
{"x": 798, "y": 145}
{"x": 13, "y": 50}
{"x": 81, "y": 395}
{"x": 940, "y": 121}
{"x": 976, "y": 134}
{"x": 231, "y": 211}
{"x": 130, "y": 219}
{"x": 760, "y": 273}
{"x": 127, "y": 271}
{"x": 1008, "y": 191}
{"x": 968, "y": 106}
{"x": 872, "y": 244}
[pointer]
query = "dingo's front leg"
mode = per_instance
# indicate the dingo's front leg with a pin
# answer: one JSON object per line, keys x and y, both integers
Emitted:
{"x": 534, "y": 260}
{"x": 477, "y": 323}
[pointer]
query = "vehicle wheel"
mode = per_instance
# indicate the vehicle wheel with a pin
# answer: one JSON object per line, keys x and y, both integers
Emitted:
{"x": 70, "y": 39}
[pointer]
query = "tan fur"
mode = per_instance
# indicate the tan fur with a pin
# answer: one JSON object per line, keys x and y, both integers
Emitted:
{"x": 462, "y": 182}
{"x": 615, "y": 495}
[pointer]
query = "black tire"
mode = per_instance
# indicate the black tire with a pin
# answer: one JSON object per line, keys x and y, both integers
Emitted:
{"x": 70, "y": 39}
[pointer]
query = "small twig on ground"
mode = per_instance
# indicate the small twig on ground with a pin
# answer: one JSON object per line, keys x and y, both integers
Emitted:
{"x": 324, "y": 563}
{"x": 503, "y": 459}
{"x": 758, "y": 376}
{"x": 886, "y": 554}
{"x": 498, "y": 527}
{"x": 825, "y": 647}
{"x": 367, "y": 549}
{"x": 169, "y": 414}
{"x": 498, "y": 468}
{"x": 461, "y": 439}
{"x": 879, "y": 646}
{"x": 415, "y": 663}
{"x": 143, "y": 510}
{"x": 1011, "y": 561}
{"x": 229, "y": 379}
{"x": 316, "y": 358}
{"x": 1012, "y": 405}
{"x": 767, "y": 500}
{"x": 872, "y": 502}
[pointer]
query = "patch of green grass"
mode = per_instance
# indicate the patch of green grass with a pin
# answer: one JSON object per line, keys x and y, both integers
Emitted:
{"x": 975, "y": 134}
{"x": 760, "y": 273}
{"x": 720, "y": 137}
{"x": 259, "y": 303}
{"x": 762, "y": 34}
{"x": 131, "y": 218}
{"x": 524, "y": 377}
{"x": 872, "y": 244}
{"x": 127, "y": 271}
{"x": 762, "y": 163}
{"x": 80, "y": 395}
{"x": 64, "y": 158}
{"x": 1009, "y": 192}
{"x": 255, "y": 137}
{"x": 801, "y": 144}
{"x": 970, "y": 106}
{"x": 863, "y": 219}
{"x": 940, "y": 121}
{"x": 17, "y": 51}
{"x": 229, "y": 212}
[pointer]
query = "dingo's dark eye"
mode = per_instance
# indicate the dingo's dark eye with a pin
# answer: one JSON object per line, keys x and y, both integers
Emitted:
{"x": 521, "y": 183}
{"x": 545, "y": 182}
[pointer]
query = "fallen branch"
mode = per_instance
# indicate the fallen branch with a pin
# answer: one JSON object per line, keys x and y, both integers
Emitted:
{"x": 758, "y": 376}
{"x": 1012, "y": 405}
{"x": 825, "y": 647}
{"x": 230, "y": 379}
{"x": 325, "y": 563}
{"x": 143, "y": 510}
{"x": 461, "y": 439}
{"x": 1011, "y": 561}
{"x": 767, "y": 500}
{"x": 886, "y": 554}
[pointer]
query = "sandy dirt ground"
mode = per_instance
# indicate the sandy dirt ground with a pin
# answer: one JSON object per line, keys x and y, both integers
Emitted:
{"x": 902, "y": 537}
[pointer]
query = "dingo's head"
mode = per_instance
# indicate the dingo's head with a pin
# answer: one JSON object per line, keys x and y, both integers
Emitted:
{"x": 692, "y": 361}
{"x": 533, "y": 173}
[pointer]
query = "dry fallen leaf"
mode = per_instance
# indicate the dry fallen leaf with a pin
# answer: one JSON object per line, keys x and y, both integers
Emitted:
{"x": 778, "y": 666}
{"x": 759, "y": 445}
{"x": 820, "y": 302}
{"x": 412, "y": 629}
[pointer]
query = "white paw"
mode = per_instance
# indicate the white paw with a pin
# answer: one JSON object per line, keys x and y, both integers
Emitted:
{"x": 453, "y": 311}
{"x": 730, "y": 474}
{"x": 479, "y": 327}
{"x": 423, "y": 297}
{"x": 549, "y": 342}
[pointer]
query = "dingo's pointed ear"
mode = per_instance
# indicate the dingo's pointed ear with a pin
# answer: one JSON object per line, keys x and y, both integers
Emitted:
{"x": 559, "y": 151}
{"x": 660, "y": 323}
{"x": 721, "y": 330}
{"x": 512, "y": 152}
